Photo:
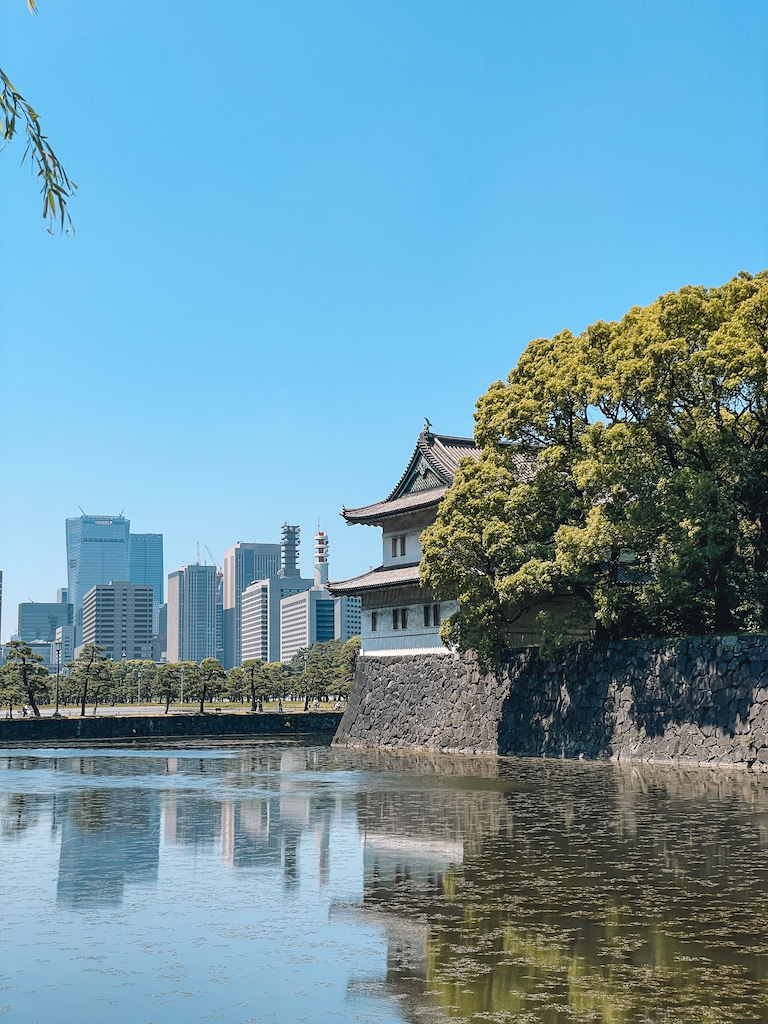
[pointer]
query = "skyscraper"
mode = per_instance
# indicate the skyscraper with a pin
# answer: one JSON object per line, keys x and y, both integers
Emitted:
{"x": 243, "y": 564}
{"x": 97, "y": 552}
{"x": 145, "y": 562}
{"x": 260, "y": 605}
{"x": 192, "y": 613}
{"x": 118, "y": 615}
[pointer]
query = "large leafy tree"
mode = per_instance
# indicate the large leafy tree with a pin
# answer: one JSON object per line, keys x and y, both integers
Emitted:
{"x": 626, "y": 469}
{"x": 30, "y": 673}
{"x": 168, "y": 683}
{"x": 204, "y": 681}
{"x": 90, "y": 669}
{"x": 10, "y": 688}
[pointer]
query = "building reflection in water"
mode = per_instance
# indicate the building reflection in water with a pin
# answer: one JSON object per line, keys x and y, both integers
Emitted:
{"x": 506, "y": 890}
{"x": 257, "y": 832}
{"x": 111, "y": 833}
{"x": 108, "y": 838}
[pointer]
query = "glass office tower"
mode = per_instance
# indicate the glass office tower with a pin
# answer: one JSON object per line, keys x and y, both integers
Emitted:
{"x": 145, "y": 562}
{"x": 97, "y": 553}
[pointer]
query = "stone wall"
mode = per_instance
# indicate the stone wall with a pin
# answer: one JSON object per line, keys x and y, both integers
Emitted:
{"x": 121, "y": 728}
{"x": 695, "y": 701}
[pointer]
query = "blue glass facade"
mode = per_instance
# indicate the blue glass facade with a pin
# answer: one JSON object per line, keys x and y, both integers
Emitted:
{"x": 145, "y": 562}
{"x": 324, "y": 624}
{"x": 97, "y": 553}
{"x": 39, "y": 620}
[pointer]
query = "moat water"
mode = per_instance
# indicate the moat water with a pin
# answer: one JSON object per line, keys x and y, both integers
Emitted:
{"x": 285, "y": 883}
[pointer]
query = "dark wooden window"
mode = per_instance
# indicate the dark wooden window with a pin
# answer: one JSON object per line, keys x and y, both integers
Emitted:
{"x": 402, "y": 545}
{"x": 394, "y": 547}
{"x": 404, "y": 618}
{"x": 395, "y": 618}
{"x": 374, "y": 621}
{"x": 426, "y": 614}
{"x": 435, "y": 614}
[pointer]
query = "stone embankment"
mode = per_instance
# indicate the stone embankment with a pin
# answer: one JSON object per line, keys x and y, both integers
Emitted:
{"x": 696, "y": 701}
{"x": 121, "y": 729}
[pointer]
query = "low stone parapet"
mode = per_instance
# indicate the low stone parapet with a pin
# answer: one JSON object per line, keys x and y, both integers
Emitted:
{"x": 32, "y": 731}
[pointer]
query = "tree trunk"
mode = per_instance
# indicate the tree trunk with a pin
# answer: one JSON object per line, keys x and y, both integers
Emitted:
{"x": 253, "y": 694}
{"x": 85, "y": 694}
{"x": 167, "y": 702}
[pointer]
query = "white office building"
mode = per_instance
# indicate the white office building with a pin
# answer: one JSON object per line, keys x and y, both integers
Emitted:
{"x": 347, "y": 617}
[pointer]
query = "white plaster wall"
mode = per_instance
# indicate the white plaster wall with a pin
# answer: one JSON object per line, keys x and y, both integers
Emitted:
{"x": 416, "y": 637}
{"x": 412, "y": 547}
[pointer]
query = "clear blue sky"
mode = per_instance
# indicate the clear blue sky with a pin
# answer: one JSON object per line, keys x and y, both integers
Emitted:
{"x": 302, "y": 227}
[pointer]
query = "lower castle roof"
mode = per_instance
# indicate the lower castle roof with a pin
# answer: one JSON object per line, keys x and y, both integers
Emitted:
{"x": 383, "y": 576}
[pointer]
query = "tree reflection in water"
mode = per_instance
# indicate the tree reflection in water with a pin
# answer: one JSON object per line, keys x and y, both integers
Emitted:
{"x": 562, "y": 892}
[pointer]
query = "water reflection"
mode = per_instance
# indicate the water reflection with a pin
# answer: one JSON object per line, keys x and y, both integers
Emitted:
{"x": 502, "y": 890}
{"x": 108, "y": 838}
{"x": 579, "y": 893}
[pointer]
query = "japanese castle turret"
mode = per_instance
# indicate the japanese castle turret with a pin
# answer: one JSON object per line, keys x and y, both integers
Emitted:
{"x": 398, "y": 615}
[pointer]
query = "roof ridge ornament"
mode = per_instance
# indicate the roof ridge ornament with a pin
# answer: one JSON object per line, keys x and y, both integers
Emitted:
{"x": 427, "y": 431}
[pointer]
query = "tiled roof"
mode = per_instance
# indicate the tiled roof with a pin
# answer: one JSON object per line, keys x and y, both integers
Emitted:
{"x": 438, "y": 457}
{"x": 382, "y": 509}
{"x": 384, "y": 576}
{"x": 442, "y": 453}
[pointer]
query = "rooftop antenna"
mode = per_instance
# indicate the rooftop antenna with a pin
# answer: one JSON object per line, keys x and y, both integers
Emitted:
{"x": 81, "y": 509}
{"x": 198, "y": 553}
{"x": 122, "y": 511}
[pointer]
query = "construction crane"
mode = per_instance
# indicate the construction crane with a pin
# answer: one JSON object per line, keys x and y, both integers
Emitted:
{"x": 210, "y": 555}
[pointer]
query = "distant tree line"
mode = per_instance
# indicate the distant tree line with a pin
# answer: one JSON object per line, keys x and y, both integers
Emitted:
{"x": 324, "y": 670}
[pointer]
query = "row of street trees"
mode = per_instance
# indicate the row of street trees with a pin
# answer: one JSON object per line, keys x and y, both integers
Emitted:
{"x": 327, "y": 670}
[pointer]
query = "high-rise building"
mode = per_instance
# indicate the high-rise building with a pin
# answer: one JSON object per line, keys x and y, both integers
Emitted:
{"x": 192, "y": 613}
{"x": 347, "y": 617}
{"x": 305, "y": 619}
{"x": 260, "y": 604}
{"x": 97, "y": 552}
{"x": 160, "y": 635}
{"x": 118, "y": 615}
{"x": 314, "y": 616}
{"x": 261, "y": 615}
{"x": 145, "y": 562}
{"x": 39, "y": 620}
{"x": 220, "y": 616}
{"x": 244, "y": 563}
{"x": 65, "y": 635}
{"x": 62, "y": 595}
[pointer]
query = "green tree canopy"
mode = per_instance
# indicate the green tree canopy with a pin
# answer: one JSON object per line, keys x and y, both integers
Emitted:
{"x": 90, "y": 669}
{"x": 625, "y": 468}
{"x": 167, "y": 682}
{"x": 31, "y": 676}
{"x": 204, "y": 681}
